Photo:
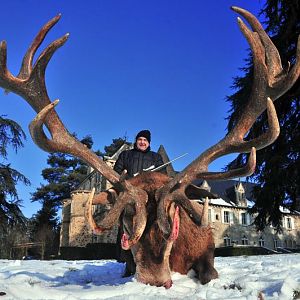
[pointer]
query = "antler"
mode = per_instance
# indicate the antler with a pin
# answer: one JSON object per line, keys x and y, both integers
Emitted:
{"x": 134, "y": 196}
{"x": 269, "y": 83}
{"x": 30, "y": 84}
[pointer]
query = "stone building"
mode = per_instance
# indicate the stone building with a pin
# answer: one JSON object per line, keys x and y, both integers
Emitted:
{"x": 233, "y": 225}
{"x": 228, "y": 214}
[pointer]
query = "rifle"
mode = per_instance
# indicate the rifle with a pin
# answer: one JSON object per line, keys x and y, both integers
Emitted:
{"x": 153, "y": 168}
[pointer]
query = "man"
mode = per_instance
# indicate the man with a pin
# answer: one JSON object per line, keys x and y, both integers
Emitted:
{"x": 134, "y": 161}
{"x": 140, "y": 158}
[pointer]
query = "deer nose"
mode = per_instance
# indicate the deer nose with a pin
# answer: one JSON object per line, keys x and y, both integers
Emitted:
{"x": 168, "y": 284}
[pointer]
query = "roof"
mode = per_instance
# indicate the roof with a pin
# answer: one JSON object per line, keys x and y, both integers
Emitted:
{"x": 220, "y": 187}
{"x": 220, "y": 201}
{"x": 170, "y": 170}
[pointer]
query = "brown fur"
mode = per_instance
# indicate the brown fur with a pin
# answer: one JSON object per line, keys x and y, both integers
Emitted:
{"x": 155, "y": 255}
{"x": 194, "y": 248}
{"x": 149, "y": 181}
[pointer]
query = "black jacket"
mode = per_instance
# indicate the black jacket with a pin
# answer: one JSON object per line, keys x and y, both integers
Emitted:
{"x": 135, "y": 161}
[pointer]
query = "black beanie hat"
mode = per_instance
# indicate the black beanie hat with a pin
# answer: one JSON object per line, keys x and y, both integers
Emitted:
{"x": 145, "y": 134}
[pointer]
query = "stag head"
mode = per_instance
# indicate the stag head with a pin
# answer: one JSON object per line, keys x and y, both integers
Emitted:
{"x": 153, "y": 204}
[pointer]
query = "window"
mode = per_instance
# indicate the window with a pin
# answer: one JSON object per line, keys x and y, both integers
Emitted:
{"x": 243, "y": 218}
{"x": 261, "y": 242}
{"x": 226, "y": 216}
{"x": 289, "y": 223}
{"x": 241, "y": 197}
{"x": 244, "y": 240}
{"x": 277, "y": 243}
{"x": 227, "y": 240}
{"x": 212, "y": 217}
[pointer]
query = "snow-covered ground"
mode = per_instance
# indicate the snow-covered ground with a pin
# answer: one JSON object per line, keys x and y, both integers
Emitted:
{"x": 244, "y": 277}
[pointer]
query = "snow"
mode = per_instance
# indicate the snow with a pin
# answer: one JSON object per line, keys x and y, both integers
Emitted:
{"x": 284, "y": 210}
{"x": 241, "y": 277}
{"x": 219, "y": 201}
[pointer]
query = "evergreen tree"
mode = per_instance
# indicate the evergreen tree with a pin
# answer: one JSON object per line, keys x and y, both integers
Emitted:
{"x": 113, "y": 147}
{"x": 63, "y": 175}
{"x": 11, "y": 134}
{"x": 12, "y": 221}
{"x": 278, "y": 165}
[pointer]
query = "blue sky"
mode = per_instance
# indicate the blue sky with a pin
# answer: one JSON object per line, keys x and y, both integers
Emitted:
{"x": 166, "y": 66}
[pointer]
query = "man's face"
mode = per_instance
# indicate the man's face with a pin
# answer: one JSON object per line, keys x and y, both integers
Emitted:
{"x": 142, "y": 143}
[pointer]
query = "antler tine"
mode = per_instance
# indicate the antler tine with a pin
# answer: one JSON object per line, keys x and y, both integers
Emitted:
{"x": 140, "y": 219}
{"x": 43, "y": 60}
{"x": 232, "y": 143}
{"x": 291, "y": 75}
{"x": 88, "y": 212}
{"x": 247, "y": 170}
{"x": 166, "y": 198}
{"x": 235, "y": 139}
{"x": 135, "y": 196}
{"x": 110, "y": 219}
{"x": 63, "y": 142}
{"x": 37, "y": 96}
{"x": 273, "y": 59}
{"x": 37, "y": 75}
{"x": 3, "y": 57}
{"x": 36, "y": 129}
{"x": 6, "y": 78}
{"x": 26, "y": 66}
{"x": 279, "y": 79}
{"x": 266, "y": 138}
